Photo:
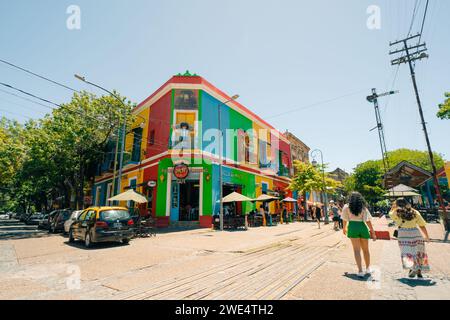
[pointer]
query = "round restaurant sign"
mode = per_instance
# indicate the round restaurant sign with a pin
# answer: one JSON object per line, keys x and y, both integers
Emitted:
{"x": 181, "y": 171}
{"x": 151, "y": 184}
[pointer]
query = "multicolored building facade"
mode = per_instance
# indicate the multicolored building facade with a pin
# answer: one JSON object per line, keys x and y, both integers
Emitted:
{"x": 173, "y": 156}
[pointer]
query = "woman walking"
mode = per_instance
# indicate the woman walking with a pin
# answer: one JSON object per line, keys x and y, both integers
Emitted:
{"x": 358, "y": 227}
{"x": 411, "y": 242}
{"x": 318, "y": 214}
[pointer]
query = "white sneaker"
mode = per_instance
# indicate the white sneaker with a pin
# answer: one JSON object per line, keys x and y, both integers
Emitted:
{"x": 361, "y": 275}
{"x": 369, "y": 270}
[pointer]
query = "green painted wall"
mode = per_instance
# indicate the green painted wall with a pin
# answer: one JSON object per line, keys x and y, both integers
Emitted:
{"x": 238, "y": 121}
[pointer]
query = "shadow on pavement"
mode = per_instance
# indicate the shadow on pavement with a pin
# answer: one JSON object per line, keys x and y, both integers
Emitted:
{"x": 96, "y": 246}
{"x": 417, "y": 282}
{"x": 355, "y": 277}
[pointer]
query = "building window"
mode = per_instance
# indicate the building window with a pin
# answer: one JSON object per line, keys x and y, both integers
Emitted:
{"x": 184, "y": 131}
{"x": 98, "y": 191}
{"x": 137, "y": 139}
{"x": 247, "y": 148}
{"x": 151, "y": 140}
{"x": 241, "y": 156}
{"x": 109, "y": 191}
{"x": 186, "y": 100}
{"x": 264, "y": 187}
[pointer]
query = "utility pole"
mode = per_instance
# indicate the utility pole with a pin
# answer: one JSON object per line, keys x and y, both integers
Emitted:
{"x": 408, "y": 56}
{"x": 374, "y": 99}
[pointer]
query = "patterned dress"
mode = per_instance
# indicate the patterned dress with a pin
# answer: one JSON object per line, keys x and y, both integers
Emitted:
{"x": 412, "y": 245}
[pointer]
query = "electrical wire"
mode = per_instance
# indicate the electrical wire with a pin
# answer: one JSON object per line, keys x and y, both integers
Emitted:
{"x": 316, "y": 104}
{"x": 17, "y": 114}
{"x": 37, "y": 75}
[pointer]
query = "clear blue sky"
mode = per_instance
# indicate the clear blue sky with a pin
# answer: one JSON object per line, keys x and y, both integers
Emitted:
{"x": 278, "y": 55}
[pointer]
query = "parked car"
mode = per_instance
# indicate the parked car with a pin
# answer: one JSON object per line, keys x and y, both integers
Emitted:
{"x": 57, "y": 222}
{"x": 102, "y": 224}
{"x": 73, "y": 217}
{"x": 34, "y": 219}
{"x": 4, "y": 216}
{"x": 24, "y": 216}
{"x": 45, "y": 223}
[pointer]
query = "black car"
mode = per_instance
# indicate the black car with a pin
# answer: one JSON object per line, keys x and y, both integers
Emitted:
{"x": 56, "y": 223}
{"x": 45, "y": 223}
{"x": 23, "y": 217}
{"x": 102, "y": 224}
{"x": 34, "y": 219}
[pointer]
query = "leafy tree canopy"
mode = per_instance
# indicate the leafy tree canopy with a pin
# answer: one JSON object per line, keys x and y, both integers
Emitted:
{"x": 444, "y": 109}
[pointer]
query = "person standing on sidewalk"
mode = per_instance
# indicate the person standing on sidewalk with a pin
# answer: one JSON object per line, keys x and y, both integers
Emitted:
{"x": 341, "y": 223}
{"x": 358, "y": 227}
{"x": 334, "y": 211}
{"x": 318, "y": 214}
{"x": 410, "y": 240}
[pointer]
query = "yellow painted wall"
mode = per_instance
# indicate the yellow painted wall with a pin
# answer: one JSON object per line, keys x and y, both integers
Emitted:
{"x": 139, "y": 174}
{"x": 129, "y": 138}
{"x": 259, "y": 180}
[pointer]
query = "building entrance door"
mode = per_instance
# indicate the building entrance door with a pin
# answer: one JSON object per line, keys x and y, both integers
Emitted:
{"x": 189, "y": 200}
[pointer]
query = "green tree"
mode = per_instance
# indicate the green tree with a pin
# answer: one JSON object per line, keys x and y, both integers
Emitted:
{"x": 444, "y": 109}
{"x": 309, "y": 178}
{"x": 57, "y": 156}
{"x": 367, "y": 177}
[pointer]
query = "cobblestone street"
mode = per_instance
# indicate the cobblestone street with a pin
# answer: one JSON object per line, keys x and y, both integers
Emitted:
{"x": 295, "y": 261}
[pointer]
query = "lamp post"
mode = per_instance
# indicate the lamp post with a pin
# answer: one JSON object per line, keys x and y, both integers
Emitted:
{"x": 324, "y": 189}
{"x": 220, "y": 159}
{"x": 124, "y": 126}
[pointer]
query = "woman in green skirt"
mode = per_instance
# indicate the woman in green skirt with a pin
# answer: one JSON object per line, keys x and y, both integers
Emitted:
{"x": 358, "y": 227}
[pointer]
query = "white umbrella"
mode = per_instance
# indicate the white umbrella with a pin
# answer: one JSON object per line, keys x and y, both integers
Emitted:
{"x": 130, "y": 195}
{"x": 235, "y": 197}
{"x": 289, "y": 200}
{"x": 265, "y": 197}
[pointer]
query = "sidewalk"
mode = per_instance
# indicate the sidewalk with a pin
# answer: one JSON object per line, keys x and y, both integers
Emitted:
{"x": 336, "y": 279}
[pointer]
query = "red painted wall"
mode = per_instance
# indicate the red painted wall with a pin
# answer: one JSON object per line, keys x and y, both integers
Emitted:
{"x": 160, "y": 122}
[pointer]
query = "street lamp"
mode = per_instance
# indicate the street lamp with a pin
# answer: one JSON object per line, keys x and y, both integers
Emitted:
{"x": 324, "y": 190}
{"x": 122, "y": 149}
{"x": 235, "y": 97}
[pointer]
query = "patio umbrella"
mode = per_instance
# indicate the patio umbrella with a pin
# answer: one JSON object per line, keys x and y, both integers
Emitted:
{"x": 265, "y": 197}
{"x": 397, "y": 194}
{"x": 289, "y": 200}
{"x": 130, "y": 195}
{"x": 235, "y": 197}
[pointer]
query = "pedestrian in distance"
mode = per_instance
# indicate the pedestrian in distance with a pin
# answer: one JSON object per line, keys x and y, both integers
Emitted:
{"x": 341, "y": 222}
{"x": 334, "y": 212}
{"x": 358, "y": 228}
{"x": 410, "y": 240}
{"x": 318, "y": 214}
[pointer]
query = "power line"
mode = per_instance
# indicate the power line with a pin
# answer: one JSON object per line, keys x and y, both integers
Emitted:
{"x": 29, "y": 94}
{"x": 26, "y": 99}
{"x": 17, "y": 114}
{"x": 413, "y": 17}
{"x": 21, "y": 105}
{"x": 316, "y": 104}
{"x": 39, "y": 76}
{"x": 423, "y": 20}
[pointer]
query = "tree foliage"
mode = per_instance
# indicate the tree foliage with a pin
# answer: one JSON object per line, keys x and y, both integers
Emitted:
{"x": 444, "y": 109}
{"x": 55, "y": 157}
{"x": 309, "y": 178}
{"x": 367, "y": 177}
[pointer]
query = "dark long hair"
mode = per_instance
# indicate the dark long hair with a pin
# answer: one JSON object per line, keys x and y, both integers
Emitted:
{"x": 356, "y": 203}
{"x": 404, "y": 211}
